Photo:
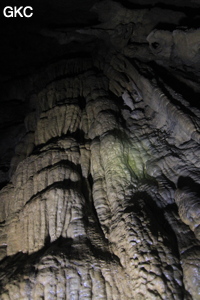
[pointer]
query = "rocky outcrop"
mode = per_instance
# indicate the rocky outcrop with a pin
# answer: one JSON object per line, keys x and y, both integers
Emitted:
{"x": 102, "y": 199}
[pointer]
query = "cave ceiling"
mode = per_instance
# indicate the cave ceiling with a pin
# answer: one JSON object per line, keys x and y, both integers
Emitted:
{"x": 64, "y": 27}
{"x": 100, "y": 150}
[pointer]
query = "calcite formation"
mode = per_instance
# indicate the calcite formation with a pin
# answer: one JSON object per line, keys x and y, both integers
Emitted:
{"x": 101, "y": 195}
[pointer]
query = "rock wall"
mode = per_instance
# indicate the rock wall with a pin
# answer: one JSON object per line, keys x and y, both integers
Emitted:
{"x": 103, "y": 194}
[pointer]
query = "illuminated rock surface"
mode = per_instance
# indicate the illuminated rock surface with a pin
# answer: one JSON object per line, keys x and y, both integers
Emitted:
{"x": 100, "y": 166}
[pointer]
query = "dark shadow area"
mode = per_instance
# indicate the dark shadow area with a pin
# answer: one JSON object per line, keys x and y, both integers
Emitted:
{"x": 47, "y": 14}
{"x": 178, "y": 6}
{"x": 166, "y": 26}
{"x": 22, "y": 264}
{"x": 2, "y": 184}
{"x": 78, "y": 135}
{"x": 102, "y": 254}
{"x": 65, "y": 184}
{"x": 192, "y": 97}
{"x": 63, "y": 163}
{"x": 120, "y": 103}
{"x": 143, "y": 204}
{"x": 80, "y": 101}
{"x": 89, "y": 208}
{"x": 187, "y": 183}
{"x": 192, "y": 20}
{"x": 12, "y": 113}
{"x": 118, "y": 100}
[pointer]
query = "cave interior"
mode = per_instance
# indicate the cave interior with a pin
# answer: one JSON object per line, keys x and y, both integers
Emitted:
{"x": 100, "y": 150}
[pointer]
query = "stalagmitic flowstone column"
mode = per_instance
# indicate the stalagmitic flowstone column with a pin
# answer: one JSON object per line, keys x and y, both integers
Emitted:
{"x": 96, "y": 206}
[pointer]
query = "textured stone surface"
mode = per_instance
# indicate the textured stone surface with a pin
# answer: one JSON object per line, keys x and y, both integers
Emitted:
{"x": 100, "y": 194}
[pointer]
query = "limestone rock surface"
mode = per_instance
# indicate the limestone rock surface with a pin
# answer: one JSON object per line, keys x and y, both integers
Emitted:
{"x": 100, "y": 170}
